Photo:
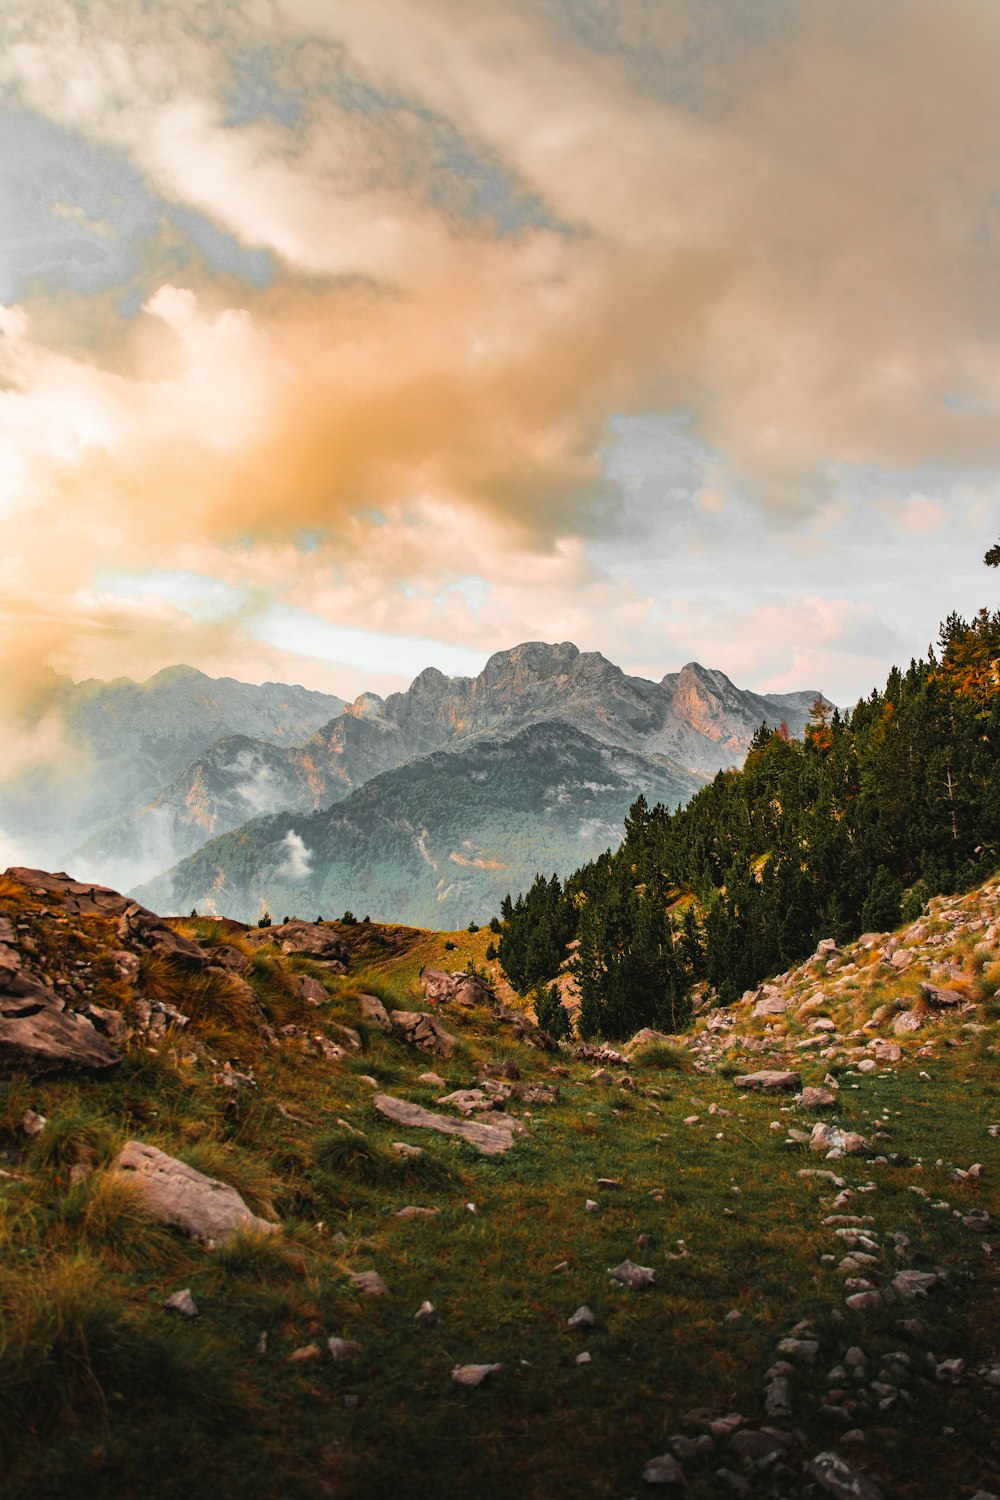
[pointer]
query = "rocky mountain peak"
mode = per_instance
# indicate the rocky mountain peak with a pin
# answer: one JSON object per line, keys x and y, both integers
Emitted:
{"x": 366, "y": 706}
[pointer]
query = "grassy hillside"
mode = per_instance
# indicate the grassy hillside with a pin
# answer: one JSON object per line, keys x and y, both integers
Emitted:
{"x": 103, "y": 1391}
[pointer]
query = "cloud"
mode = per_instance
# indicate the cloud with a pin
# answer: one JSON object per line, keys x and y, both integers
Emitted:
{"x": 297, "y": 863}
{"x": 791, "y": 240}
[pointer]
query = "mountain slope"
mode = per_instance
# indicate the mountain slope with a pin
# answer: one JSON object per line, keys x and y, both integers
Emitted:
{"x": 437, "y": 842}
{"x": 122, "y": 742}
{"x": 695, "y": 717}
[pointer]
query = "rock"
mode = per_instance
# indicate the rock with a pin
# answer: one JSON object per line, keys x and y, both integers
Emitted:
{"x": 140, "y": 928}
{"x": 177, "y": 1195}
{"x": 758, "y": 1446}
{"x": 582, "y": 1318}
{"x": 310, "y": 990}
{"x": 182, "y": 1303}
{"x": 978, "y": 1220}
{"x": 771, "y": 1005}
{"x": 770, "y": 1081}
{"x": 902, "y": 958}
{"x": 426, "y": 1314}
{"x": 587, "y": 1052}
{"x": 38, "y": 1033}
{"x": 836, "y": 1142}
{"x": 631, "y": 1275}
{"x": 601, "y": 1076}
{"x": 583, "y": 1359}
{"x": 305, "y": 1355}
{"x": 867, "y": 1065}
{"x": 664, "y": 1469}
{"x": 738, "y": 1486}
{"x": 343, "y": 1349}
{"x": 645, "y": 1038}
{"x": 424, "y": 1031}
{"x": 777, "y": 1397}
{"x": 308, "y": 939}
{"x": 374, "y": 1011}
{"x": 433, "y": 1078}
{"x": 457, "y": 988}
{"x": 941, "y": 999}
{"x": 887, "y": 1052}
{"x": 911, "y": 1284}
{"x": 817, "y": 1098}
{"x": 864, "y": 1301}
{"x": 32, "y": 1123}
{"x": 473, "y": 1375}
{"x": 491, "y": 1140}
{"x": 527, "y": 1030}
{"x": 906, "y": 1022}
{"x": 838, "y": 1478}
{"x": 472, "y": 1101}
{"x": 805, "y": 1349}
{"x": 370, "y": 1284}
{"x": 110, "y": 1023}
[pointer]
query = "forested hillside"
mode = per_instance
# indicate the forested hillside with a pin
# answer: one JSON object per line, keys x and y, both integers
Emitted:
{"x": 849, "y": 828}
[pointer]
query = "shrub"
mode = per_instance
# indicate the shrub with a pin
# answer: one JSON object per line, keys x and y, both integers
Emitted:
{"x": 550, "y": 1012}
{"x": 265, "y": 920}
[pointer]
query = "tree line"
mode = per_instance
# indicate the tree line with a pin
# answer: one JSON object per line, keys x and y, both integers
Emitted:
{"x": 851, "y": 828}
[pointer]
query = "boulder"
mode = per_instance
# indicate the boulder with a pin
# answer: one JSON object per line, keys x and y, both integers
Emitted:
{"x": 942, "y": 998}
{"x": 645, "y": 1038}
{"x": 424, "y": 1031}
{"x": 770, "y": 1081}
{"x": 817, "y": 1098}
{"x": 310, "y": 990}
{"x": 527, "y": 1030}
{"x": 887, "y": 1052}
{"x": 374, "y": 1011}
{"x": 492, "y": 1140}
{"x": 906, "y": 1022}
{"x": 185, "y": 1199}
{"x": 457, "y": 988}
{"x": 37, "y": 1033}
{"x": 308, "y": 939}
{"x": 836, "y": 1142}
{"x": 836, "y": 1477}
{"x": 139, "y": 928}
{"x": 771, "y": 1003}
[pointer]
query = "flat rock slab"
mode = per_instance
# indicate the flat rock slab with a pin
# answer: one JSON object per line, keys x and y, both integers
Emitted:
{"x": 770, "y": 1081}
{"x": 492, "y": 1140}
{"x": 177, "y": 1195}
{"x": 38, "y": 1034}
{"x": 424, "y": 1031}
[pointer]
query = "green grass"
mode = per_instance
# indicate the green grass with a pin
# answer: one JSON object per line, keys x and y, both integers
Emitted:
{"x": 104, "y": 1392}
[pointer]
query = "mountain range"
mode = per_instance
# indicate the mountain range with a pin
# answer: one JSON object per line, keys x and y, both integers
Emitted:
{"x": 153, "y": 771}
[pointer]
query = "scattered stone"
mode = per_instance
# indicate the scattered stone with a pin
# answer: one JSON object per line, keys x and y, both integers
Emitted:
{"x": 402, "y": 1148}
{"x": 805, "y": 1349}
{"x": 305, "y": 1355}
{"x": 756, "y": 1446}
{"x": 777, "y": 1397}
{"x": 343, "y": 1349}
{"x": 583, "y": 1359}
{"x": 426, "y": 1314}
{"x": 458, "y": 988}
{"x": 32, "y": 1123}
{"x": 492, "y": 1140}
{"x": 910, "y": 1284}
{"x": 631, "y": 1275}
{"x": 374, "y": 1011}
{"x": 370, "y": 1284}
{"x": 433, "y": 1078}
{"x": 473, "y": 1375}
{"x": 665, "y": 1470}
{"x": 816, "y": 1098}
{"x": 887, "y": 1052}
{"x": 838, "y": 1478}
{"x": 582, "y": 1318}
{"x": 864, "y": 1301}
{"x": 978, "y": 1220}
{"x": 591, "y": 1205}
{"x": 182, "y": 1303}
{"x": 906, "y": 1022}
{"x": 177, "y": 1195}
{"x": 769, "y": 1081}
{"x": 422, "y": 1030}
{"x": 836, "y": 1142}
{"x": 411, "y": 1211}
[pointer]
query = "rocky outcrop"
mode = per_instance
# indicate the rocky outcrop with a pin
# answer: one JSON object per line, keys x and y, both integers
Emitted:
{"x": 306, "y": 939}
{"x": 423, "y": 1031}
{"x": 177, "y": 1195}
{"x": 457, "y": 988}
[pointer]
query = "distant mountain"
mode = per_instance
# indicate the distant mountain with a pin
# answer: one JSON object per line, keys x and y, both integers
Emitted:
{"x": 696, "y": 718}
{"x": 123, "y": 742}
{"x": 437, "y": 842}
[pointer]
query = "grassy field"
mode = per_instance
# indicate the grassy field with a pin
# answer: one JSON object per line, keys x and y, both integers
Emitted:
{"x": 103, "y": 1392}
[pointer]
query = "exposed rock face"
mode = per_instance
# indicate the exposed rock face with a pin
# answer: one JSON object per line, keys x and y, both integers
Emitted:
{"x": 179, "y": 1196}
{"x": 374, "y": 1011}
{"x": 37, "y": 1033}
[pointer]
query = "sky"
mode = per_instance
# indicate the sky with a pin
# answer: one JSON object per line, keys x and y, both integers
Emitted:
{"x": 340, "y": 338}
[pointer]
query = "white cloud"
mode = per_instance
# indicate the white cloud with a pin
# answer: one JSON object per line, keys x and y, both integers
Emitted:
{"x": 297, "y": 863}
